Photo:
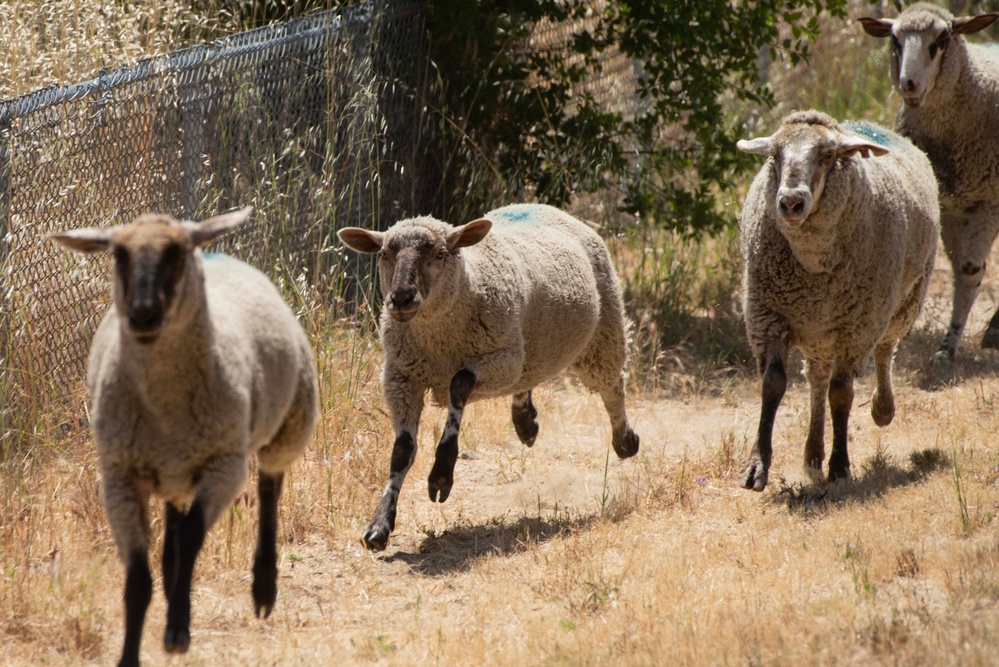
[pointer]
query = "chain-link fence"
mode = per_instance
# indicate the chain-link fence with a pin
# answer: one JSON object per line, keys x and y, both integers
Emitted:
{"x": 314, "y": 122}
{"x": 321, "y": 122}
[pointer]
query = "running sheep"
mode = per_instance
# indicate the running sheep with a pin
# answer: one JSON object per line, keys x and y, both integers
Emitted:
{"x": 950, "y": 93}
{"x": 838, "y": 252}
{"x": 198, "y": 364}
{"x": 490, "y": 308}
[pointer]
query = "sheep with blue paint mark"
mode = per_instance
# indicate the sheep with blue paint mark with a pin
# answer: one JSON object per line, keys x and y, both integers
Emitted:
{"x": 950, "y": 97}
{"x": 198, "y": 365}
{"x": 838, "y": 252}
{"x": 487, "y": 309}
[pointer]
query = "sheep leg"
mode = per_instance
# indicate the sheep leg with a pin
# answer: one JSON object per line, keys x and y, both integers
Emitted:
{"x": 125, "y": 502}
{"x": 441, "y": 478}
{"x": 883, "y": 403}
{"x": 523, "y": 413}
{"x": 599, "y": 369}
{"x": 968, "y": 243}
{"x": 190, "y": 537}
{"x": 220, "y": 481}
{"x": 138, "y": 594}
{"x": 171, "y": 520}
{"x": 265, "y": 558}
{"x": 840, "y": 403}
{"x": 818, "y": 374}
{"x": 772, "y": 368}
{"x": 405, "y": 402}
{"x": 623, "y": 439}
{"x": 990, "y": 340}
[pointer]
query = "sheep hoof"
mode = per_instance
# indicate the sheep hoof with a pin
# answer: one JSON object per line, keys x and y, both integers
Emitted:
{"x": 838, "y": 472}
{"x": 441, "y": 485}
{"x": 941, "y": 368}
{"x": 524, "y": 421}
{"x": 754, "y": 476}
{"x": 526, "y": 431}
{"x": 375, "y": 538}
{"x": 264, "y": 595}
{"x": 626, "y": 443}
{"x": 990, "y": 341}
{"x": 176, "y": 640}
{"x": 883, "y": 412}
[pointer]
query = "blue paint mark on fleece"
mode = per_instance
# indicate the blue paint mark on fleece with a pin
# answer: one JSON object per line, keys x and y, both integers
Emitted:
{"x": 876, "y": 134}
{"x": 519, "y": 213}
{"x": 214, "y": 255}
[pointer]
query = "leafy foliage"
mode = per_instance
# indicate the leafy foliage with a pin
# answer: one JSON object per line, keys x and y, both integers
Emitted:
{"x": 520, "y": 109}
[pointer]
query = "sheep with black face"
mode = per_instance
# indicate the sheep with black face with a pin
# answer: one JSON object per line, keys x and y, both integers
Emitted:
{"x": 198, "y": 365}
{"x": 491, "y": 308}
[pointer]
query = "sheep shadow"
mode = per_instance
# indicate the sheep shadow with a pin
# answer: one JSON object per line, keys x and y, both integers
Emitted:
{"x": 456, "y": 549}
{"x": 879, "y": 475}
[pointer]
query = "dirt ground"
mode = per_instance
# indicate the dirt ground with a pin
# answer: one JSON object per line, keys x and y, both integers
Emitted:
{"x": 562, "y": 554}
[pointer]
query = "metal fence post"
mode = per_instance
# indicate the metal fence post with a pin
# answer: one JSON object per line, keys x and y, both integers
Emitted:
{"x": 4, "y": 231}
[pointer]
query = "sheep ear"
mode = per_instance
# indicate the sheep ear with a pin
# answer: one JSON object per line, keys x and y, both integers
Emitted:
{"x": 876, "y": 27}
{"x": 468, "y": 234}
{"x": 87, "y": 240}
{"x": 207, "y": 230}
{"x": 361, "y": 240}
{"x": 849, "y": 146}
{"x": 971, "y": 24}
{"x": 757, "y": 146}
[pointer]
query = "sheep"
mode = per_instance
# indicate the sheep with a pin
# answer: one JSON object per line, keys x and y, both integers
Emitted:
{"x": 950, "y": 92}
{"x": 486, "y": 309}
{"x": 838, "y": 253}
{"x": 198, "y": 364}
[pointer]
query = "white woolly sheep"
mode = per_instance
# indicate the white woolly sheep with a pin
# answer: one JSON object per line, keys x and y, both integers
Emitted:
{"x": 198, "y": 364}
{"x": 950, "y": 93}
{"x": 838, "y": 252}
{"x": 471, "y": 313}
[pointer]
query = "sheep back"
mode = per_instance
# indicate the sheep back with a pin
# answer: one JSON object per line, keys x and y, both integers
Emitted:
{"x": 541, "y": 283}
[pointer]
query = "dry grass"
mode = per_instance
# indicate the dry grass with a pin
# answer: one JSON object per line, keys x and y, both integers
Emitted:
{"x": 559, "y": 553}
{"x": 554, "y": 554}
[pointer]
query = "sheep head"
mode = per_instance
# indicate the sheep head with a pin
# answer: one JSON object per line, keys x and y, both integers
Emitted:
{"x": 802, "y": 152}
{"x": 411, "y": 258}
{"x": 151, "y": 260}
{"x": 919, "y": 38}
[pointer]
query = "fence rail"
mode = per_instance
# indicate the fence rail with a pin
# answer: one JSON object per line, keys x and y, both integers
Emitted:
{"x": 304, "y": 119}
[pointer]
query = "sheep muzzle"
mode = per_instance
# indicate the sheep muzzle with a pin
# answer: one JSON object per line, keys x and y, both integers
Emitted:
{"x": 403, "y": 303}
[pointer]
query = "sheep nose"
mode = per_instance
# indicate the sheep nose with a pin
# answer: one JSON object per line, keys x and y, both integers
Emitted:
{"x": 403, "y": 297}
{"x": 145, "y": 317}
{"x": 910, "y": 86}
{"x": 791, "y": 205}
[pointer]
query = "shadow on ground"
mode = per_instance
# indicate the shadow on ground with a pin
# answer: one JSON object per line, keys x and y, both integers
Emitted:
{"x": 878, "y": 475}
{"x": 456, "y": 549}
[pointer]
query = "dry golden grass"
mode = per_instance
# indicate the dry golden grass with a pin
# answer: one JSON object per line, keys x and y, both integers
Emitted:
{"x": 552, "y": 555}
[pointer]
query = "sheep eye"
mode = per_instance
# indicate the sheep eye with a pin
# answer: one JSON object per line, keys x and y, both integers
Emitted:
{"x": 441, "y": 253}
{"x": 895, "y": 44}
{"x": 121, "y": 258}
{"x": 933, "y": 50}
{"x": 171, "y": 255}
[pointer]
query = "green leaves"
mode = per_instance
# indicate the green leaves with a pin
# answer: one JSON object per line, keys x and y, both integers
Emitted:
{"x": 522, "y": 95}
